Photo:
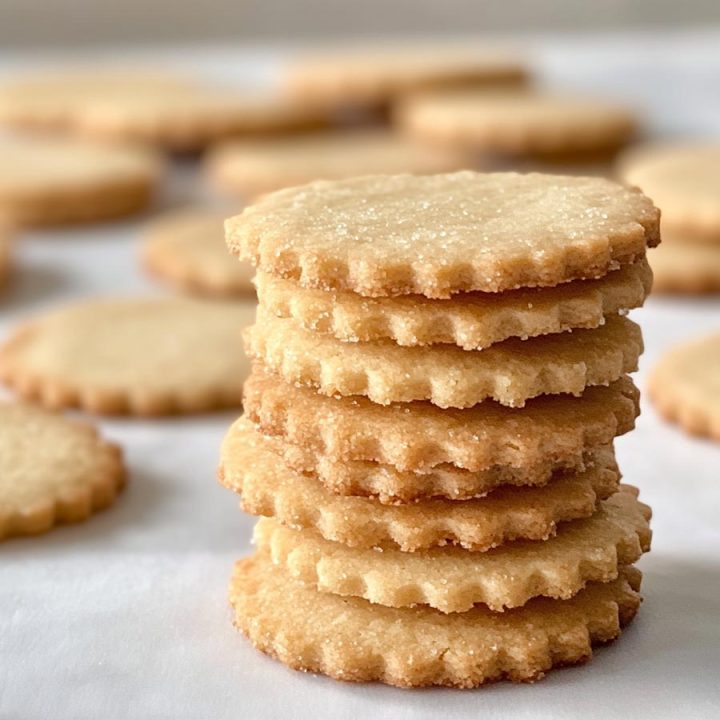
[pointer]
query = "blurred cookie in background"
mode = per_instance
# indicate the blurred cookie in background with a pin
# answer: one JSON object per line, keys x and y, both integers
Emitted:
{"x": 132, "y": 356}
{"x": 176, "y": 113}
{"x": 518, "y": 124}
{"x": 250, "y": 168}
{"x": 683, "y": 179}
{"x": 683, "y": 266}
{"x": 189, "y": 120}
{"x": 371, "y": 77}
{"x": 53, "y": 181}
{"x": 50, "y": 100}
{"x": 685, "y": 386}
{"x": 187, "y": 249}
{"x": 684, "y": 182}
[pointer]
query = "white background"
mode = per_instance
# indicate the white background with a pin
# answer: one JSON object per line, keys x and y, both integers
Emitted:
{"x": 126, "y": 616}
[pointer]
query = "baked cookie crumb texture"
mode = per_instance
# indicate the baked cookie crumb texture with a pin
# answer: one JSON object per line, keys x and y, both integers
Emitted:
{"x": 439, "y": 372}
{"x": 439, "y": 235}
{"x": 52, "y": 470}
{"x": 134, "y": 356}
{"x": 353, "y": 640}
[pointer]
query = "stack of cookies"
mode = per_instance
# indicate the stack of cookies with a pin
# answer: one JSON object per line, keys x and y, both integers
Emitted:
{"x": 440, "y": 371}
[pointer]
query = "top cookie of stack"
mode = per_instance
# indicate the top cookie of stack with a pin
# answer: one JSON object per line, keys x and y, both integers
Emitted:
{"x": 382, "y": 236}
{"x": 439, "y": 360}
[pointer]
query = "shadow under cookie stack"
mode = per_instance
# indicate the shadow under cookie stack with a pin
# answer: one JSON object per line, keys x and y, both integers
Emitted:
{"x": 440, "y": 372}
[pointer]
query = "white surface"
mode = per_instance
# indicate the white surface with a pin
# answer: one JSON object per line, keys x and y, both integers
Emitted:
{"x": 126, "y": 616}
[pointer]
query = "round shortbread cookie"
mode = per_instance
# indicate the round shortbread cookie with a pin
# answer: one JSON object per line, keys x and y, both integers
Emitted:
{"x": 472, "y": 321}
{"x": 134, "y": 356}
{"x": 259, "y": 166}
{"x": 189, "y": 121}
{"x": 188, "y": 249}
{"x": 50, "y": 100}
{"x": 442, "y": 234}
{"x": 353, "y": 640}
{"x": 452, "y": 579}
{"x": 685, "y": 386}
{"x": 269, "y": 487}
{"x": 684, "y": 181}
{"x": 46, "y": 181}
{"x": 686, "y": 267}
{"x": 370, "y": 77}
{"x": 391, "y": 486}
{"x": 511, "y": 372}
{"x": 549, "y": 433}
{"x": 516, "y": 123}
{"x": 52, "y": 470}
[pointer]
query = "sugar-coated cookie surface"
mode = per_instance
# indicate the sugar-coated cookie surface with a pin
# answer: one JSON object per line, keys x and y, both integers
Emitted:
{"x": 138, "y": 356}
{"x": 511, "y": 372}
{"x": 452, "y": 579}
{"x": 516, "y": 122}
{"x": 472, "y": 321}
{"x": 684, "y": 181}
{"x": 253, "y": 167}
{"x": 685, "y": 386}
{"x": 351, "y": 639}
{"x": 372, "y": 76}
{"x": 45, "y": 181}
{"x": 391, "y": 486}
{"x": 52, "y": 470}
{"x": 188, "y": 249}
{"x": 442, "y": 234}
{"x": 548, "y": 433}
{"x": 268, "y": 487}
